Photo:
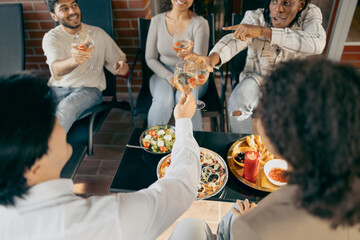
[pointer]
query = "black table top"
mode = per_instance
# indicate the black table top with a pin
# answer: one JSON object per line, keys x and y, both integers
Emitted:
{"x": 137, "y": 169}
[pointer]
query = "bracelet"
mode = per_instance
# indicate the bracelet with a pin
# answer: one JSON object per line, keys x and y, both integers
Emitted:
{"x": 261, "y": 33}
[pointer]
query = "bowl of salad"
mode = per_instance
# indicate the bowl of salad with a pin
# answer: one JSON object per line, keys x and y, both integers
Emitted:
{"x": 158, "y": 139}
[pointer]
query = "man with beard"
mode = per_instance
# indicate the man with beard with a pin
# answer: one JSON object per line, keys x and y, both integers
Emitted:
{"x": 77, "y": 76}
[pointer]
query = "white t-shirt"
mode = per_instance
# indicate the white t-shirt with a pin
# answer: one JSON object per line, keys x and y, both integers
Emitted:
{"x": 57, "y": 45}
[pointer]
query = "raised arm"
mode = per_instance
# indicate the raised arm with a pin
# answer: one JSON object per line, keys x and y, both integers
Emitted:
{"x": 60, "y": 64}
{"x": 147, "y": 213}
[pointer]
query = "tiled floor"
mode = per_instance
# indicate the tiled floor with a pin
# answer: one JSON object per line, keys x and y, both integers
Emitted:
{"x": 96, "y": 172}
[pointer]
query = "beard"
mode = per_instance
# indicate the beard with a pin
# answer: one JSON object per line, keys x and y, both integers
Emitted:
{"x": 65, "y": 24}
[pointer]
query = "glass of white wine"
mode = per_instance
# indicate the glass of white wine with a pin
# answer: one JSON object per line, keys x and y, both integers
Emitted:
{"x": 85, "y": 42}
{"x": 185, "y": 76}
{"x": 181, "y": 40}
{"x": 203, "y": 75}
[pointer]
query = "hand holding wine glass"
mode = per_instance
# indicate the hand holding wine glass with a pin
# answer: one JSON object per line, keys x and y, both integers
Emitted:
{"x": 198, "y": 59}
{"x": 85, "y": 42}
{"x": 185, "y": 76}
{"x": 182, "y": 43}
{"x": 185, "y": 108}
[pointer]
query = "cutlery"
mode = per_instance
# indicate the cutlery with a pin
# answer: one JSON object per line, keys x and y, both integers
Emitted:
{"x": 133, "y": 146}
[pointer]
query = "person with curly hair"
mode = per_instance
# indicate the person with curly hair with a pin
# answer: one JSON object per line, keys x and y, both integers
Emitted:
{"x": 161, "y": 58}
{"x": 314, "y": 123}
{"x": 283, "y": 30}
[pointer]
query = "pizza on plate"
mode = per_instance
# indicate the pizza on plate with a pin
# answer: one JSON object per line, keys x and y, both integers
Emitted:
{"x": 213, "y": 172}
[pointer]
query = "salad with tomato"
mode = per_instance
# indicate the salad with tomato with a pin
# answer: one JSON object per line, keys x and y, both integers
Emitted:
{"x": 159, "y": 139}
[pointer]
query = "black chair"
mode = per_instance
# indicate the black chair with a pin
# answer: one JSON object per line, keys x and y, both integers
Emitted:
{"x": 252, "y": 5}
{"x": 12, "y": 50}
{"x": 214, "y": 105}
{"x": 141, "y": 108}
{"x": 237, "y": 63}
{"x": 81, "y": 134}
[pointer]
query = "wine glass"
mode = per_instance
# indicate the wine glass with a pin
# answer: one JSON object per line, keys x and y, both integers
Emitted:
{"x": 185, "y": 76}
{"x": 203, "y": 75}
{"x": 85, "y": 42}
{"x": 181, "y": 40}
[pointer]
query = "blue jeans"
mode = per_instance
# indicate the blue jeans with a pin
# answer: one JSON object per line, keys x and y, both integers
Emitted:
{"x": 195, "y": 228}
{"x": 245, "y": 98}
{"x": 163, "y": 102}
{"x": 224, "y": 227}
{"x": 72, "y": 102}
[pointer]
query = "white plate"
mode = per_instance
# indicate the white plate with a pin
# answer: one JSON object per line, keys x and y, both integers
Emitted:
{"x": 275, "y": 163}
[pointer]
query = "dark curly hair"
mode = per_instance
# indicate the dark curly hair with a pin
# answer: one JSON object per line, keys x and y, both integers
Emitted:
{"x": 51, "y": 5}
{"x": 268, "y": 18}
{"x": 311, "y": 112}
{"x": 27, "y": 110}
{"x": 199, "y": 6}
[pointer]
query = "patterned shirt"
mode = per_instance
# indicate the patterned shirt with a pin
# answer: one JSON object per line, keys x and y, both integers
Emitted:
{"x": 304, "y": 38}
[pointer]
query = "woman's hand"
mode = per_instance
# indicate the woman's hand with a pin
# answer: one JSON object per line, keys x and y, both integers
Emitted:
{"x": 243, "y": 207}
{"x": 245, "y": 31}
{"x": 186, "y": 51}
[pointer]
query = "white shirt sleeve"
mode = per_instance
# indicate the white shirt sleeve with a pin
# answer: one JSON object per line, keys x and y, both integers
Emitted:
{"x": 147, "y": 213}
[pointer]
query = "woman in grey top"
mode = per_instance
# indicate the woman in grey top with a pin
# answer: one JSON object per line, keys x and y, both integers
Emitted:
{"x": 161, "y": 57}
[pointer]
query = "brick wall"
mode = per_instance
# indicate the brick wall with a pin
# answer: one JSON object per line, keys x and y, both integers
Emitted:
{"x": 37, "y": 22}
{"x": 351, "y": 55}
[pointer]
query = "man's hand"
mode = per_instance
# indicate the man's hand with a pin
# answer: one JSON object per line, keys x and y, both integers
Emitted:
{"x": 79, "y": 56}
{"x": 243, "y": 208}
{"x": 185, "y": 107}
{"x": 198, "y": 59}
{"x": 121, "y": 68}
{"x": 186, "y": 51}
{"x": 245, "y": 31}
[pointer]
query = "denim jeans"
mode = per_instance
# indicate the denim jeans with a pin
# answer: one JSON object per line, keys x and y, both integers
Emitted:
{"x": 164, "y": 101}
{"x": 224, "y": 227}
{"x": 245, "y": 98}
{"x": 72, "y": 102}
